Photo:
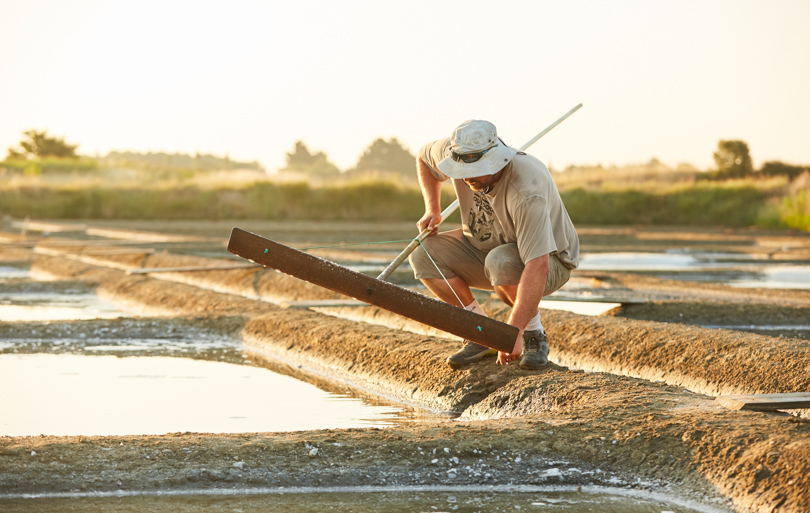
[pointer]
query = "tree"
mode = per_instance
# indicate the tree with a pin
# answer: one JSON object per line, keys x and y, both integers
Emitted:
{"x": 733, "y": 159}
{"x": 300, "y": 159}
{"x": 388, "y": 156}
{"x": 777, "y": 168}
{"x": 39, "y": 144}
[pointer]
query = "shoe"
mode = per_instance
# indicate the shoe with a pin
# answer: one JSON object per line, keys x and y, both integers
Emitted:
{"x": 471, "y": 352}
{"x": 535, "y": 350}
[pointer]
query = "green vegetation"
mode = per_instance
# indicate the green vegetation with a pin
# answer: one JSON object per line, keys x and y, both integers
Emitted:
{"x": 302, "y": 161}
{"x": 49, "y": 166}
{"x": 742, "y": 203}
{"x": 733, "y": 160}
{"x": 166, "y": 164}
{"x": 38, "y": 145}
{"x": 383, "y": 187}
{"x": 385, "y": 159}
{"x": 706, "y": 204}
{"x": 262, "y": 200}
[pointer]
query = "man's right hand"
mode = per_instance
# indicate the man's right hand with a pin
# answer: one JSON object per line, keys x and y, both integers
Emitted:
{"x": 430, "y": 221}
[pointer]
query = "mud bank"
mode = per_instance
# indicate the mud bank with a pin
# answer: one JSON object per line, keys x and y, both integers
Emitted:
{"x": 557, "y": 425}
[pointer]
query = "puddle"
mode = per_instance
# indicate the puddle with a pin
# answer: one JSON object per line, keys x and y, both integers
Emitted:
{"x": 642, "y": 262}
{"x": 108, "y": 395}
{"x": 25, "y": 306}
{"x": 13, "y": 273}
{"x": 563, "y": 499}
{"x": 737, "y": 270}
{"x": 782, "y": 277}
{"x": 801, "y": 331}
{"x": 578, "y": 307}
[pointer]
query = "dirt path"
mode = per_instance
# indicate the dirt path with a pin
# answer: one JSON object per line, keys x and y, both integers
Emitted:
{"x": 642, "y": 421}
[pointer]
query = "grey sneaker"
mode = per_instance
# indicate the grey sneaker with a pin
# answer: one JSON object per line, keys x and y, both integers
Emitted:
{"x": 471, "y": 352}
{"x": 535, "y": 350}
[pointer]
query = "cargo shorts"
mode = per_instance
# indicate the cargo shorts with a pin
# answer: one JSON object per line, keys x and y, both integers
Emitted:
{"x": 454, "y": 255}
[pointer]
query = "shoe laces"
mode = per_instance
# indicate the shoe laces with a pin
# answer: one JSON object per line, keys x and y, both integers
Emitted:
{"x": 533, "y": 344}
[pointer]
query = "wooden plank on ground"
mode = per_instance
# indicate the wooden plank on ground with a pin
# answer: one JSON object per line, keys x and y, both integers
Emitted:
{"x": 321, "y": 303}
{"x": 438, "y": 314}
{"x": 766, "y": 402}
{"x": 191, "y": 268}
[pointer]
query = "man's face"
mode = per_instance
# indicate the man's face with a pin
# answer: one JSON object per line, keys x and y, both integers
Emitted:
{"x": 478, "y": 183}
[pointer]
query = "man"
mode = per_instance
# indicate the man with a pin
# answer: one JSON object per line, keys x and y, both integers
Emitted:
{"x": 517, "y": 238}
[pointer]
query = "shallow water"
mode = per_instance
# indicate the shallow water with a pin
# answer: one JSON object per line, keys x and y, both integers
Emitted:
{"x": 9, "y": 273}
{"x": 461, "y": 500}
{"x": 109, "y": 395}
{"x": 26, "y": 306}
{"x": 737, "y": 270}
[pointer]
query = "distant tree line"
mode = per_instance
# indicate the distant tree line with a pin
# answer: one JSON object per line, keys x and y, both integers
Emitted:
{"x": 733, "y": 160}
{"x": 38, "y": 152}
{"x": 381, "y": 159}
{"x": 160, "y": 160}
{"x": 39, "y": 145}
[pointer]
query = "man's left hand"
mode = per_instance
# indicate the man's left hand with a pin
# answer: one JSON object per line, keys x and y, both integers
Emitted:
{"x": 505, "y": 358}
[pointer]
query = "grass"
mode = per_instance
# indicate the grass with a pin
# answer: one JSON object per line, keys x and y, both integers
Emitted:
{"x": 647, "y": 194}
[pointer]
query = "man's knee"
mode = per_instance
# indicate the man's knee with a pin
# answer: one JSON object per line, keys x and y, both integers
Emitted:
{"x": 504, "y": 266}
{"x": 425, "y": 259}
{"x": 419, "y": 261}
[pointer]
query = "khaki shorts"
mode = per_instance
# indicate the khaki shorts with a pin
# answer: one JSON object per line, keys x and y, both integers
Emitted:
{"x": 454, "y": 256}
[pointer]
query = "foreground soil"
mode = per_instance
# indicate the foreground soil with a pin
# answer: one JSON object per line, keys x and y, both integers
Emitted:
{"x": 643, "y": 415}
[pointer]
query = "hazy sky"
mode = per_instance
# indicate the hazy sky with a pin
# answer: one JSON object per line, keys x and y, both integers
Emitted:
{"x": 664, "y": 79}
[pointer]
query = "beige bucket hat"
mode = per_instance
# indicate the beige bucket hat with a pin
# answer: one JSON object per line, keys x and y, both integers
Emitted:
{"x": 475, "y": 150}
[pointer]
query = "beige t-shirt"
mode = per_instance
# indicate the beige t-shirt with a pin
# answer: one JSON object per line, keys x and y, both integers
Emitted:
{"x": 524, "y": 207}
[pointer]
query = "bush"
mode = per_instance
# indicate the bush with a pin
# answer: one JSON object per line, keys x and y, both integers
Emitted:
{"x": 794, "y": 210}
{"x": 703, "y": 205}
{"x": 776, "y": 168}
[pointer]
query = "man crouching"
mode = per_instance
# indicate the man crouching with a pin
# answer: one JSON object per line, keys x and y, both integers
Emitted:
{"x": 517, "y": 238}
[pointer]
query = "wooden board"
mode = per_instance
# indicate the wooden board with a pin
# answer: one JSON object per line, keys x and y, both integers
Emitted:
{"x": 438, "y": 314}
{"x": 765, "y": 402}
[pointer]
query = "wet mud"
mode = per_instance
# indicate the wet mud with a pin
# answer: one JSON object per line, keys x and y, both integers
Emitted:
{"x": 628, "y": 398}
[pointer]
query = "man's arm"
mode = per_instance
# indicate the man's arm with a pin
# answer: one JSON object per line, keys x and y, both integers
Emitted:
{"x": 431, "y": 192}
{"x": 527, "y": 299}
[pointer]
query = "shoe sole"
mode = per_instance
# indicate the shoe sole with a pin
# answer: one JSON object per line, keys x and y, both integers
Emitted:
{"x": 532, "y": 366}
{"x": 457, "y": 364}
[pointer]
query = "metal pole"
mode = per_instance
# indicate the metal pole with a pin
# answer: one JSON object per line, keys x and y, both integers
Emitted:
{"x": 453, "y": 206}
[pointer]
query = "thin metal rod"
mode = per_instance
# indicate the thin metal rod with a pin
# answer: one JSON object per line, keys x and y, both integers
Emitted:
{"x": 453, "y": 206}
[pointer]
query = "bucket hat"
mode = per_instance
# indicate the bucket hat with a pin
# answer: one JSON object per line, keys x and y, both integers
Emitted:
{"x": 475, "y": 150}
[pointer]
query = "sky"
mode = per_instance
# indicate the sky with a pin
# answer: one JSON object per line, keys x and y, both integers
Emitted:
{"x": 248, "y": 78}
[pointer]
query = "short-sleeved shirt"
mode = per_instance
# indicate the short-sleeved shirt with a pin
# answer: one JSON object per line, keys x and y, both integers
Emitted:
{"x": 524, "y": 207}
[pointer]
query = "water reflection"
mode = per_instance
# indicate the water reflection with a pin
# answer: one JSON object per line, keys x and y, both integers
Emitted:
{"x": 108, "y": 395}
{"x": 462, "y": 500}
{"x": 12, "y": 273}
{"x": 26, "y": 306}
{"x": 738, "y": 270}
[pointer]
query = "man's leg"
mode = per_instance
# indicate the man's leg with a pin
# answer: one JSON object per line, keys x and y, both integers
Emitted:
{"x": 450, "y": 291}
{"x": 504, "y": 268}
{"x": 448, "y": 265}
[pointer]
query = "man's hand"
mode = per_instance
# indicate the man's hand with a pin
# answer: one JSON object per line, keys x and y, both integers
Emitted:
{"x": 505, "y": 358}
{"x": 430, "y": 221}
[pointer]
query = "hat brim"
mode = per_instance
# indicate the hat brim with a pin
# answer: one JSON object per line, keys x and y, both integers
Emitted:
{"x": 493, "y": 161}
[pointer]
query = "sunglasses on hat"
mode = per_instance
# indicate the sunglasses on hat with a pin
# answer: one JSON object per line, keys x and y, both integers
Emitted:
{"x": 469, "y": 158}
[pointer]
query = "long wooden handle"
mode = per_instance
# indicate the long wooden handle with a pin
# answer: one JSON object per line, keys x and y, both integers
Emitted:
{"x": 453, "y": 206}
{"x": 414, "y": 243}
